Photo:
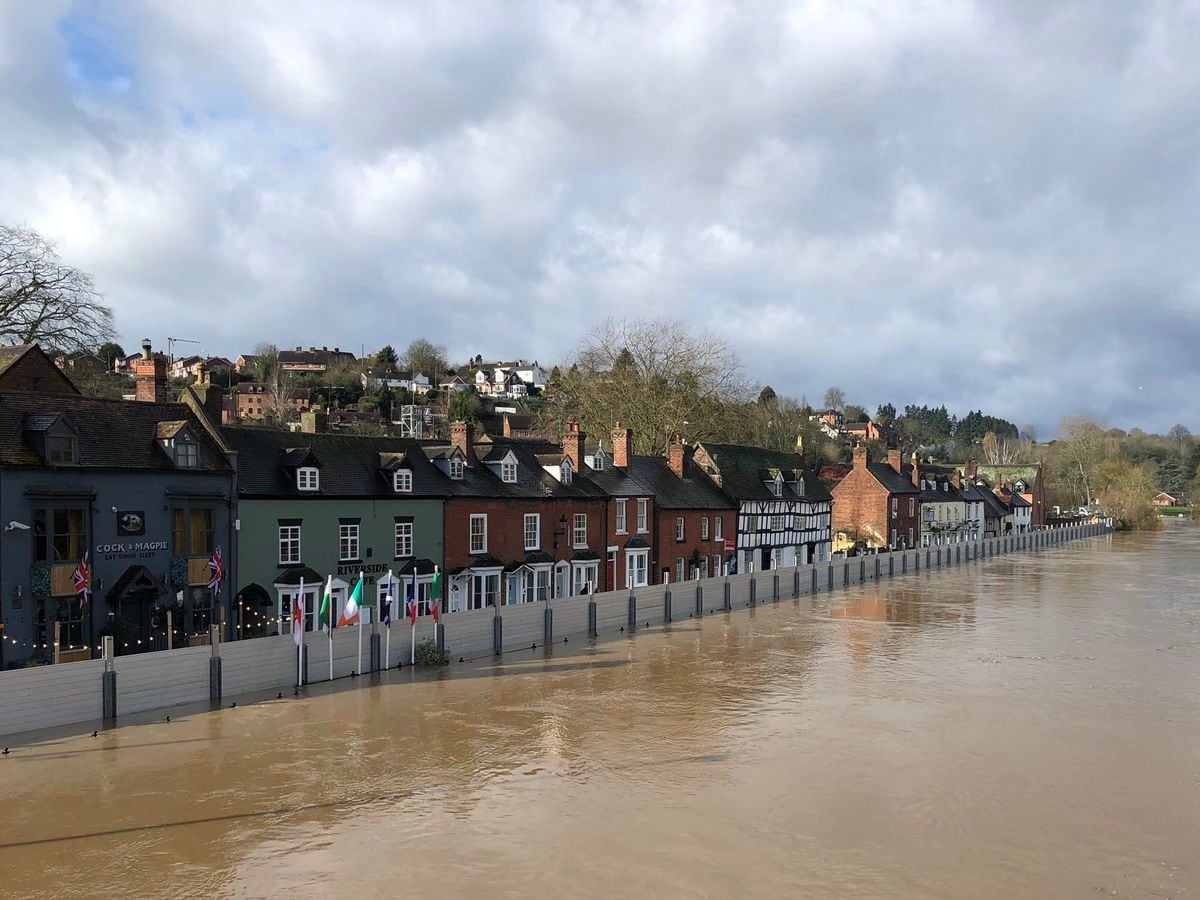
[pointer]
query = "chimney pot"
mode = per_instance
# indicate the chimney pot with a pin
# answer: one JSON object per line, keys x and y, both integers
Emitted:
{"x": 146, "y": 348}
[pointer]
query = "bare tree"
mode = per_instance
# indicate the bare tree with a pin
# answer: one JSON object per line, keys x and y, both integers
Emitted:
{"x": 1181, "y": 436}
{"x": 1086, "y": 445}
{"x": 1002, "y": 449}
{"x": 835, "y": 398}
{"x": 655, "y": 377}
{"x": 44, "y": 301}
{"x": 281, "y": 395}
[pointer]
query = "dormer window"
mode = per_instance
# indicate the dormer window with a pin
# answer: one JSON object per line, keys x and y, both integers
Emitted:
{"x": 308, "y": 478}
{"x": 508, "y": 472}
{"x": 402, "y": 481}
{"x": 777, "y": 486}
{"x": 187, "y": 453}
{"x": 456, "y": 468}
{"x": 566, "y": 471}
{"x": 60, "y": 451}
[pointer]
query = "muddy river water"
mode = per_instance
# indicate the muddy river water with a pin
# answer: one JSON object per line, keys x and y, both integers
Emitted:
{"x": 1025, "y": 727}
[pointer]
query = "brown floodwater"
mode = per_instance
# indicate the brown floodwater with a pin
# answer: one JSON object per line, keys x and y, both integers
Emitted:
{"x": 1025, "y": 727}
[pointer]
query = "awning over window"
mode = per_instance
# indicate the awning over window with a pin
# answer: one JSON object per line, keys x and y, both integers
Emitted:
{"x": 291, "y": 577}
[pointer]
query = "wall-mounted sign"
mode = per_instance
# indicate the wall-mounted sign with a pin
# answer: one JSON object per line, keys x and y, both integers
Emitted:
{"x": 131, "y": 522}
{"x": 132, "y": 550}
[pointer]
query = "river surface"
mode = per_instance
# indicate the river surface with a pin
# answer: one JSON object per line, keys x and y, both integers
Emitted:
{"x": 1024, "y": 727}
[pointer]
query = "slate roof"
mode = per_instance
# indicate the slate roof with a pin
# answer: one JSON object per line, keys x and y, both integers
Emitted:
{"x": 940, "y": 491}
{"x": 744, "y": 471}
{"x": 618, "y": 482}
{"x": 694, "y": 490}
{"x": 896, "y": 482}
{"x": 350, "y": 464}
{"x": 992, "y": 507}
{"x": 532, "y": 480}
{"x": 112, "y": 434}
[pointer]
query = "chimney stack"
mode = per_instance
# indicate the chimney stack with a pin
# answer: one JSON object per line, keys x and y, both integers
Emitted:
{"x": 675, "y": 454}
{"x": 150, "y": 374}
{"x": 972, "y": 468}
{"x": 314, "y": 421}
{"x": 211, "y": 396}
{"x": 916, "y": 471}
{"x": 573, "y": 445}
{"x": 956, "y": 480}
{"x": 461, "y": 437}
{"x": 894, "y": 460}
{"x": 622, "y": 447}
{"x": 860, "y": 456}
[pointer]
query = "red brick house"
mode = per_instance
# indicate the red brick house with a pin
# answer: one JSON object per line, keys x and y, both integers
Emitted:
{"x": 25, "y": 367}
{"x": 878, "y": 505}
{"x": 630, "y": 521}
{"x": 693, "y": 518}
{"x": 523, "y": 522}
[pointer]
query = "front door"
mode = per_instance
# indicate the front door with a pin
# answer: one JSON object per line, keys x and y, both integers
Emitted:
{"x": 766, "y": 559}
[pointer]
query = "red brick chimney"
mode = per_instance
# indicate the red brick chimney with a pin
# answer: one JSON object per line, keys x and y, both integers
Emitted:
{"x": 675, "y": 455}
{"x": 461, "y": 437}
{"x": 860, "y": 456}
{"x": 894, "y": 460}
{"x": 956, "y": 480}
{"x": 150, "y": 374}
{"x": 622, "y": 447}
{"x": 916, "y": 472}
{"x": 573, "y": 445}
{"x": 972, "y": 469}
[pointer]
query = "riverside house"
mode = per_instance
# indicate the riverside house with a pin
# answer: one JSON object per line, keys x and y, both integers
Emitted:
{"x": 877, "y": 505}
{"x": 315, "y": 506}
{"x": 631, "y": 513}
{"x": 143, "y": 490}
{"x": 523, "y": 520}
{"x": 783, "y": 509}
{"x": 695, "y": 527}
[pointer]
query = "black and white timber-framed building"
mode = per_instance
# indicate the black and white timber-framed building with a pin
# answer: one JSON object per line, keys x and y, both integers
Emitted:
{"x": 784, "y": 511}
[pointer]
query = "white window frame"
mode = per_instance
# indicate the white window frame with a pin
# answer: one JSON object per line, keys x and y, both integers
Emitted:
{"x": 565, "y": 471}
{"x": 286, "y": 540}
{"x": 621, "y": 522}
{"x": 778, "y": 523}
{"x": 583, "y": 575}
{"x": 404, "y": 540}
{"x": 895, "y": 507}
{"x": 402, "y": 481}
{"x": 508, "y": 472}
{"x": 579, "y": 531}
{"x": 637, "y": 568}
{"x": 642, "y": 515}
{"x": 680, "y": 569}
{"x": 308, "y": 478}
{"x": 704, "y": 528}
{"x": 481, "y": 535}
{"x": 718, "y": 529}
{"x": 536, "y": 520}
{"x": 456, "y": 469}
{"x": 679, "y": 530}
{"x": 912, "y": 507}
{"x": 348, "y": 540}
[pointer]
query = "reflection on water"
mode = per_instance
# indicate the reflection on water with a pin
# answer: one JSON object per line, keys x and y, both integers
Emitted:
{"x": 1028, "y": 726}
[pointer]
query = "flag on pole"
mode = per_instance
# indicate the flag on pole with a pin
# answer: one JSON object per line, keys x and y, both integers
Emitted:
{"x": 298, "y": 617}
{"x": 326, "y": 611}
{"x": 411, "y": 607}
{"x": 83, "y": 580}
{"x": 350, "y": 614}
{"x": 385, "y": 615}
{"x": 435, "y": 595}
{"x": 218, "y": 572}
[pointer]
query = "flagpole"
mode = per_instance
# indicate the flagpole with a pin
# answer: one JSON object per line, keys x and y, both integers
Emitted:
{"x": 413, "y": 621}
{"x": 432, "y": 600}
{"x": 300, "y": 643}
{"x": 329, "y": 594}
{"x": 361, "y": 576}
{"x": 387, "y": 638}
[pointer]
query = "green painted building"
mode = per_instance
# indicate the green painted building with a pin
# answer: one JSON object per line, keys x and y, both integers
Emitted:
{"x": 319, "y": 507}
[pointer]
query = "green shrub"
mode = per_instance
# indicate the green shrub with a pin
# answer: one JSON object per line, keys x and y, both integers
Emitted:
{"x": 427, "y": 654}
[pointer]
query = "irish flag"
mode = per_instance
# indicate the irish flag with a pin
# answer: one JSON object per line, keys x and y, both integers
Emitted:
{"x": 350, "y": 613}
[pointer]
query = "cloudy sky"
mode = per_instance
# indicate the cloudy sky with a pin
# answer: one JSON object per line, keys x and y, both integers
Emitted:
{"x": 983, "y": 204}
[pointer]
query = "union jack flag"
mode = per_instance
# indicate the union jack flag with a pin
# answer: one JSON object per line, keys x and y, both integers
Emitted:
{"x": 217, "y": 570}
{"x": 83, "y": 580}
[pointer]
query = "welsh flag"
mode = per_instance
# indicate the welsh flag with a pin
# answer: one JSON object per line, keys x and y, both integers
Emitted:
{"x": 325, "y": 613}
{"x": 350, "y": 613}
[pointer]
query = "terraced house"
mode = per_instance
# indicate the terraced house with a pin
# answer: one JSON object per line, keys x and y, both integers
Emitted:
{"x": 784, "y": 511}
{"x": 523, "y": 520}
{"x": 316, "y": 506}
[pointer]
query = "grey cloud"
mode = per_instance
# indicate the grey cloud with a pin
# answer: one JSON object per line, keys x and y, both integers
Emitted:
{"x": 987, "y": 205}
